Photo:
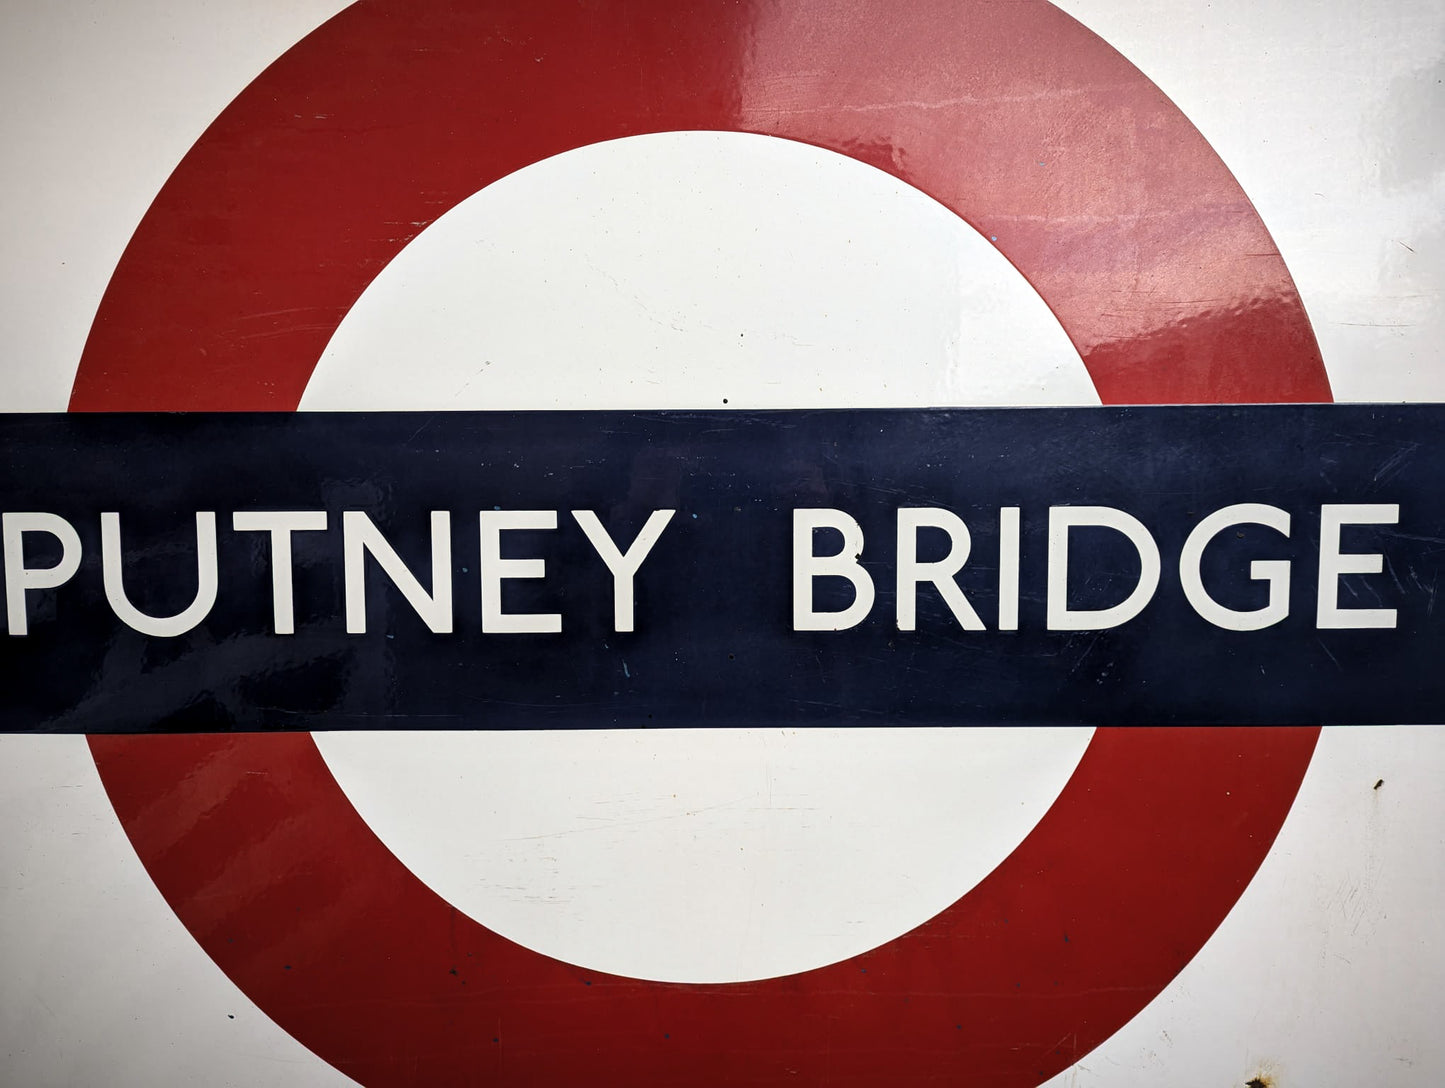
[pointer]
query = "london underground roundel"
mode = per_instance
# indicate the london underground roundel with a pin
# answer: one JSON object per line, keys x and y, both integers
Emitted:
{"x": 1135, "y": 235}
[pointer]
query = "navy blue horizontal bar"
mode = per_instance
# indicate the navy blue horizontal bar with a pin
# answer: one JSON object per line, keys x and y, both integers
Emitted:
{"x": 723, "y": 603}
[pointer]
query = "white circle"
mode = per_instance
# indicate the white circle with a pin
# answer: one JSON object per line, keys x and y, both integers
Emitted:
{"x": 680, "y": 270}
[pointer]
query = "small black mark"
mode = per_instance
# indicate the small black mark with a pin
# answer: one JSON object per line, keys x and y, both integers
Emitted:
{"x": 286, "y": 968}
{"x": 725, "y": 400}
{"x": 230, "y": 1016}
{"x": 454, "y": 971}
{"x": 586, "y": 982}
{"x": 1256, "y": 1082}
{"x": 1378, "y": 783}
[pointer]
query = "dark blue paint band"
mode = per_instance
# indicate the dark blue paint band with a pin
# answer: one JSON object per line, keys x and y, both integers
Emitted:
{"x": 714, "y": 612}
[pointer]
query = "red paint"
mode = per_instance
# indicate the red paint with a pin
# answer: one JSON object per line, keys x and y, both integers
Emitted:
{"x": 1013, "y": 115}
{"x": 285, "y": 886}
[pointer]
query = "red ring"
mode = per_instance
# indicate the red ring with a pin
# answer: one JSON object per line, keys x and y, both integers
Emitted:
{"x": 1013, "y": 115}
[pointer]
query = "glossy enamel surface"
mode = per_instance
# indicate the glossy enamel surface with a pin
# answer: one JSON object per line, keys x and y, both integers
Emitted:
{"x": 1163, "y": 278}
{"x": 1327, "y": 970}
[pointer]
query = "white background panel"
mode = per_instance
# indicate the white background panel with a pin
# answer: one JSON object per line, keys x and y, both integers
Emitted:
{"x": 1329, "y": 970}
